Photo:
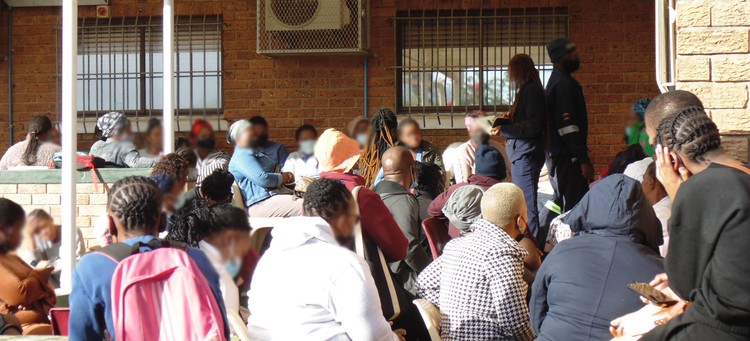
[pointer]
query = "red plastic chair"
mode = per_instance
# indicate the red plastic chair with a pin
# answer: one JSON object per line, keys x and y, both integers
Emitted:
{"x": 437, "y": 235}
{"x": 58, "y": 317}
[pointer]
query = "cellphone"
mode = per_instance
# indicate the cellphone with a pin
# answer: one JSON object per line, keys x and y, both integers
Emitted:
{"x": 654, "y": 296}
{"x": 501, "y": 120}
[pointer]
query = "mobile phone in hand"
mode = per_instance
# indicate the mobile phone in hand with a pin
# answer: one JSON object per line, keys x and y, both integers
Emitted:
{"x": 652, "y": 295}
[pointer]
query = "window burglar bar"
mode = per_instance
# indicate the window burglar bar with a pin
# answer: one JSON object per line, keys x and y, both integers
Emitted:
{"x": 120, "y": 68}
{"x": 455, "y": 61}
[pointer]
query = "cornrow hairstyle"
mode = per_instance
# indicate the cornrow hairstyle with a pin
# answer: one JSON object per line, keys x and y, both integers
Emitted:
{"x": 173, "y": 165}
{"x": 690, "y": 131}
{"x": 304, "y": 128}
{"x": 188, "y": 155}
{"x": 10, "y": 213}
{"x": 39, "y": 125}
{"x": 383, "y": 122}
{"x": 218, "y": 185}
{"x": 204, "y": 221}
{"x": 326, "y": 198}
{"x": 429, "y": 179}
{"x": 136, "y": 202}
{"x": 39, "y": 214}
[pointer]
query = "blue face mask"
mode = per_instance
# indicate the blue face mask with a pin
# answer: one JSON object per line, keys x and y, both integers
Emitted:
{"x": 307, "y": 147}
{"x": 233, "y": 266}
{"x": 362, "y": 139}
{"x": 414, "y": 184}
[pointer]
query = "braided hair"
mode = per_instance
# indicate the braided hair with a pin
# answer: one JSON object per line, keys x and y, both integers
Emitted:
{"x": 204, "y": 221}
{"x": 690, "y": 131}
{"x": 383, "y": 123}
{"x": 136, "y": 202}
{"x": 173, "y": 165}
{"x": 325, "y": 198}
{"x": 39, "y": 125}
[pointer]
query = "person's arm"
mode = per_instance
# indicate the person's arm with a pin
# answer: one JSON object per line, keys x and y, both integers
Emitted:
{"x": 416, "y": 256}
{"x": 23, "y": 290}
{"x": 378, "y": 224}
{"x": 538, "y": 305}
{"x": 355, "y": 303}
{"x": 428, "y": 282}
{"x": 567, "y": 122}
{"x": 133, "y": 159}
{"x": 436, "y": 206}
{"x": 505, "y": 274}
{"x": 531, "y": 125}
{"x": 251, "y": 168}
{"x": 86, "y": 320}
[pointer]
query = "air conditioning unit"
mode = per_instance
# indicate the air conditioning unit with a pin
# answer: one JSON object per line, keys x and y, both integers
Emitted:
{"x": 293, "y": 15}
{"x": 298, "y": 27}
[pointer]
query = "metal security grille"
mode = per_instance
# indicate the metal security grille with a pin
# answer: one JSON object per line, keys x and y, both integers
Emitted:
{"x": 453, "y": 62}
{"x": 294, "y": 27}
{"x": 120, "y": 68}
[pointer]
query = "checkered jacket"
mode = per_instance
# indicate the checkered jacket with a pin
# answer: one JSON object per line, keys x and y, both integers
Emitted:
{"x": 478, "y": 285}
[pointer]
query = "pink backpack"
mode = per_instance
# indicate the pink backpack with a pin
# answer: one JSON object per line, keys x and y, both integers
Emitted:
{"x": 161, "y": 295}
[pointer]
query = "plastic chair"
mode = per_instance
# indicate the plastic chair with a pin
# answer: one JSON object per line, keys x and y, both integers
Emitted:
{"x": 437, "y": 235}
{"x": 260, "y": 239}
{"x": 237, "y": 325}
{"x": 431, "y": 317}
{"x": 58, "y": 317}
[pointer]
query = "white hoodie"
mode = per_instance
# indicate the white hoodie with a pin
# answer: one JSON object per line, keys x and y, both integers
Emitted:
{"x": 307, "y": 287}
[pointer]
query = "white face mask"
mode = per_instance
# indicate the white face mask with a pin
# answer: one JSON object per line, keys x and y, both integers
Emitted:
{"x": 307, "y": 147}
{"x": 362, "y": 139}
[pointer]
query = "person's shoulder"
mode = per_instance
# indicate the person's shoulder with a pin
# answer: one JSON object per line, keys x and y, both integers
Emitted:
{"x": 295, "y": 155}
{"x": 95, "y": 266}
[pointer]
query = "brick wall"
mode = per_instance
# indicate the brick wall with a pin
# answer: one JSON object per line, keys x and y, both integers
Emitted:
{"x": 615, "y": 39}
{"x": 713, "y": 61}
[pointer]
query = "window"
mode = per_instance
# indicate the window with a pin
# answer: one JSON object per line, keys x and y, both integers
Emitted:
{"x": 453, "y": 62}
{"x": 120, "y": 66}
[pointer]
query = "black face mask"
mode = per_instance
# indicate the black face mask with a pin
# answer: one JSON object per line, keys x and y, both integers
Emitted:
{"x": 571, "y": 65}
{"x": 206, "y": 144}
{"x": 262, "y": 140}
{"x": 481, "y": 139}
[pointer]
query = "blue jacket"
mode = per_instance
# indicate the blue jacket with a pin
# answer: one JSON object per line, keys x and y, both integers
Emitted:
{"x": 525, "y": 136}
{"x": 90, "y": 299}
{"x": 255, "y": 175}
{"x": 277, "y": 152}
{"x": 568, "y": 117}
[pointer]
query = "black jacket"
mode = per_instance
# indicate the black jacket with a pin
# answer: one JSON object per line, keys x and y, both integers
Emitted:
{"x": 582, "y": 284}
{"x": 405, "y": 209}
{"x": 568, "y": 118}
{"x": 526, "y": 134}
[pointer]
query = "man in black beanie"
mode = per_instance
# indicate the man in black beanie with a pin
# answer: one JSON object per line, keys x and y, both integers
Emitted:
{"x": 568, "y": 161}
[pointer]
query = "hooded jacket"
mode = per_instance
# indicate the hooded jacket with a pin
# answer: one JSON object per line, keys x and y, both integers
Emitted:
{"x": 405, "y": 209}
{"x": 436, "y": 207}
{"x": 582, "y": 284}
{"x": 307, "y": 287}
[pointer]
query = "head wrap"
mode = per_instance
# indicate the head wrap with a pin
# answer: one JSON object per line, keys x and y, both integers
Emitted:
{"x": 639, "y": 107}
{"x": 489, "y": 162}
{"x": 636, "y": 169}
{"x": 336, "y": 152}
{"x": 463, "y": 207}
{"x": 236, "y": 129}
{"x": 111, "y": 124}
{"x": 198, "y": 125}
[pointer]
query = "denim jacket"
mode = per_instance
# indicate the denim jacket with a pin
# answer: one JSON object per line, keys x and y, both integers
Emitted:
{"x": 255, "y": 173}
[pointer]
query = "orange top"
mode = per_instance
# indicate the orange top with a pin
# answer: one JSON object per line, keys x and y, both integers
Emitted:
{"x": 24, "y": 291}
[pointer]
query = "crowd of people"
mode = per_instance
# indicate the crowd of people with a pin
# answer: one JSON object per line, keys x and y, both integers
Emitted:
{"x": 372, "y": 217}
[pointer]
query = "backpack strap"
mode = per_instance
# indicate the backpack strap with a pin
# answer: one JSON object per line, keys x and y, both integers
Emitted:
{"x": 118, "y": 251}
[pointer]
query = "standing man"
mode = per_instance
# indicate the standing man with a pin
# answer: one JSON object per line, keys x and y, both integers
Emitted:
{"x": 568, "y": 160}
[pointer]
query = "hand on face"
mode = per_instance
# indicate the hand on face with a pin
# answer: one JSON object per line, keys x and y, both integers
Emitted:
{"x": 670, "y": 170}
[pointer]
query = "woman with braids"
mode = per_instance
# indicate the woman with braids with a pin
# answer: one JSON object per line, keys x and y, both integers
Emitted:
{"x": 114, "y": 143}
{"x": 36, "y": 150}
{"x": 383, "y": 135}
{"x": 706, "y": 266}
{"x": 135, "y": 216}
{"x": 525, "y": 133}
{"x": 222, "y": 232}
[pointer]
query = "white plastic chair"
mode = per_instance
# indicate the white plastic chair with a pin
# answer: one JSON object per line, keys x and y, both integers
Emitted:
{"x": 431, "y": 317}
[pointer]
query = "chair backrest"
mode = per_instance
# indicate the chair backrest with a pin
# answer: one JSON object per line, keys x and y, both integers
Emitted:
{"x": 58, "y": 317}
{"x": 239, "y": 328}
{"x": 238, "y": 199}
{"x": 431, "y": 317}
{"x": 260, "y": 239}
{"x": 437, "y": 235}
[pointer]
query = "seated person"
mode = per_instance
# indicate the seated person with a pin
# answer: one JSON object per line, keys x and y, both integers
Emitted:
{"x": 222, "y": 232}
{"x": 175, "y": 166}
{"x": 325, "y": 292}
{"x": 302, "y": 163}
{"x": 400, "y": 173}
{"x": 463, "y": 207}
{"x": 635, "y": 131}
{"x": 203, "y": 140}
{"x": 215, "y": 189}
{"x": 114, "y": 143}
{"x": 276, "y": 151}
{"x": 41, "y": 246}
{"x": 38, "y": 149}
{"x": 24, "y": 291}
{"x": 258, "y": 177}
{"x": 152, "y": 139}
{"x": 134, "y": 215}
{"x": 583, "y": 283}
{"x": 465, "y": 165}
{"x": 478, "y": 280}
{"x": 359, "y": 130}
{"x": 655, "y": 193}
{"x": 191, "y": 160}
{"x": 410, "y": 136}
{"x": 490, "y": 170}
{"x": 430, "y": 185}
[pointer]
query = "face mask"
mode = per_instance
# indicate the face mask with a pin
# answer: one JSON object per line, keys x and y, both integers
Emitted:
{"x": 521, "y": 231}
{"x": 414, "y": 184}
{"x": 262, "y": 140}
{"x": 307, "y": 147}
{"x": 233, "y": 266}
{"x": 362, "y": 139}
{"x": 481, "y": 139}
{"x": 206, "y": 144}
{"x": 572, "y": 65}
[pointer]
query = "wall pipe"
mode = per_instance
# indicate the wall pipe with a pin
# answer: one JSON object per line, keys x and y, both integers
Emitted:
{"x": 367, "y": 92}
{"x": 10, "y": 76}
